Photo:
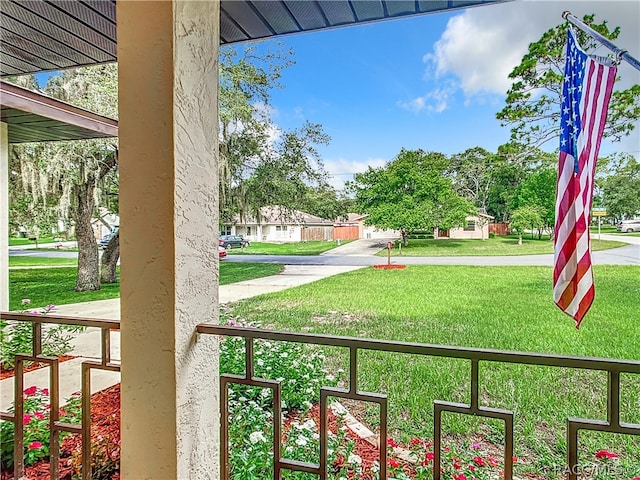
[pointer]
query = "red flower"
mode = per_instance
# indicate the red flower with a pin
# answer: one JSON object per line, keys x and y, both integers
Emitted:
{"x": 479, "y": 461}
{"x": 605, "y": 454}
{"x": 492, "y": 461}
{"x": 416, "y": 441}
{"x": 392, "y": 463}
{"x": 45, "y": 392}
{"x": 460, "y": 476}
{"x": 31, "y": 390}
{"x": 429, "y": 456}
{"x": 26, "y": 418}
{"x": 39, "y": 415}
{"x": 35, "y": 445}
{"x": 392, "y": 443}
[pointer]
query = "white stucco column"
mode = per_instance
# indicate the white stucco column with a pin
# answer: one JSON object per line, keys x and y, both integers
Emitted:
{"x": 168, "y": 156}
{"x": 4, "y": 217}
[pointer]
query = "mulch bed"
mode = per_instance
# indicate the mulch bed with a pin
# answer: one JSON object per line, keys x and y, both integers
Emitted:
{"x": 105, "y": 426}
{"x": 363, "y": 449}
{"x": 105, "y": 421}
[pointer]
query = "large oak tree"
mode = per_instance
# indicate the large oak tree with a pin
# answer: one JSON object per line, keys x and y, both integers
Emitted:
{"x": 410, "y": 193}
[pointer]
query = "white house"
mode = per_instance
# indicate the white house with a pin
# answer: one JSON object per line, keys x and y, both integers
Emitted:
{"x": 280, "y": 224}
{"x": 370, "y": 231}
{"x": 477, "y": 228}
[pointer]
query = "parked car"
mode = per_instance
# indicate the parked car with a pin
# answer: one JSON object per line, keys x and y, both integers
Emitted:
{"x": 233, "y": 241}
{"x": 222, "y": 252}
{"x": 629, "y": 225}
{"x": 104, "y": 241}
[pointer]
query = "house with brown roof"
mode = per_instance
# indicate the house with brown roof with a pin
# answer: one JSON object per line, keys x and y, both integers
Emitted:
{"x": 280, "y": 224}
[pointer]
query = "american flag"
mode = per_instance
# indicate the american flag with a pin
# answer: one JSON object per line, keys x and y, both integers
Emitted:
{"x": 588, "y": 82}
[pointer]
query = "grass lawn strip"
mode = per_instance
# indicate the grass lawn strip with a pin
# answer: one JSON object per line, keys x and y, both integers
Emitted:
{"x": 27, "y": 261}
{"x": 497, "y": 246}
{"x": 507, "y": 308}
{"x": 292, "y": 248}
{"x": 16, "y": 241}
{"x": 44, "y": 286}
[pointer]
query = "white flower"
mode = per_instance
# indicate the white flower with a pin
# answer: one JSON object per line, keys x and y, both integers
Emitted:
{"x": 260, "y": 362}
{"x": 284, "y": 355}
{"x": 353, "y": 458}
{"x": 265, "y": 393}
{"x": 301, "y": 440}
{"x": 309, "y": 425}
{"x": 330, "y": 378}
{"x": 256, "y": 437}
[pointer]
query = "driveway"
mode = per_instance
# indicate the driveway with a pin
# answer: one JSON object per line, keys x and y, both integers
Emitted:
{"x": 359, "y": 248}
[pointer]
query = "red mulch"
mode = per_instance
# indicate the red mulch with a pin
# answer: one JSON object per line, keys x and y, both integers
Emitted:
{"x": 8, "y": 372}
{"x": 393, "y": 266}
{"x": 105, "y": 424}
{"x": 363, "y": 449}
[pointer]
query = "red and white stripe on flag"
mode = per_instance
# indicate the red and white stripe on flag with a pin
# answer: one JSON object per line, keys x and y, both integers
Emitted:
{"x": 587, "y": 88}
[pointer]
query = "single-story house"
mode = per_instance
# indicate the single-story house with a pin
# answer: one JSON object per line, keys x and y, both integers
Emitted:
{"x": 280, "y": 224}
{"x": 369, "y": 231}
{"x": 477, "y": 228}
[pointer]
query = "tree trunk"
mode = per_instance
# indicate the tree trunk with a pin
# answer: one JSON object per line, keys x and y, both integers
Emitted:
{"x": 109, "y": 260}
{"x": 88, "y": 278}
{"x": 520, "y": 239}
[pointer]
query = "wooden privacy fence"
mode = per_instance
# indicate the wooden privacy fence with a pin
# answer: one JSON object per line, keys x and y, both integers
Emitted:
{"x": 330, "y": 233}
{"x": 500, "y": 228}
{"x": 346, "y": 232}
{"x": 317, "y": 233}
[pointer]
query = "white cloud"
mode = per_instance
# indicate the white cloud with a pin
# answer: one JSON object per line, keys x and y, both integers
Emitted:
{"x": 481, "y": 46}
{"x": 437, "y": 100}
{"x": 342, "y": 170}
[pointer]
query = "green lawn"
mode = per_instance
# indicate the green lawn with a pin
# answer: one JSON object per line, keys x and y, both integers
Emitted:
{"x": 44, "y": 286}
{"x": 603, "y": 229}
{"x": 499, "y": 245}
{"x": 25, "y": 261}
{"x": 508, "y": 308}
{"x": 293, "y": 248}
{"x": 14, "y": 241}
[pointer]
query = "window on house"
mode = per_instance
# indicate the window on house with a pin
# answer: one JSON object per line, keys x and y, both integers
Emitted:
{"x": 471, "y": 226}
{"x": 248, "y": 231}
{"x": 226, "y": 230}
{"x": 281, "y": 228}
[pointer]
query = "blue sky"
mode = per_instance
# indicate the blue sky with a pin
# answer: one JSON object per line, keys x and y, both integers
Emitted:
{"x": 433, "y": 82}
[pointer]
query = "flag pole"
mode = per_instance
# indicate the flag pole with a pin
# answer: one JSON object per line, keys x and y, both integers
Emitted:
{"x": 621, "y": 54}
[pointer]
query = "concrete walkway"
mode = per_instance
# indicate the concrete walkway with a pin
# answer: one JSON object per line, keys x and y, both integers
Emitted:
{"x": 87, "y": 345}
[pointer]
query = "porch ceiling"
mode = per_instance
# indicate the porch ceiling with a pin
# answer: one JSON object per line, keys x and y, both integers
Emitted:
{"x": 32, "y": 117}
{"x": 41, "y": 35}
